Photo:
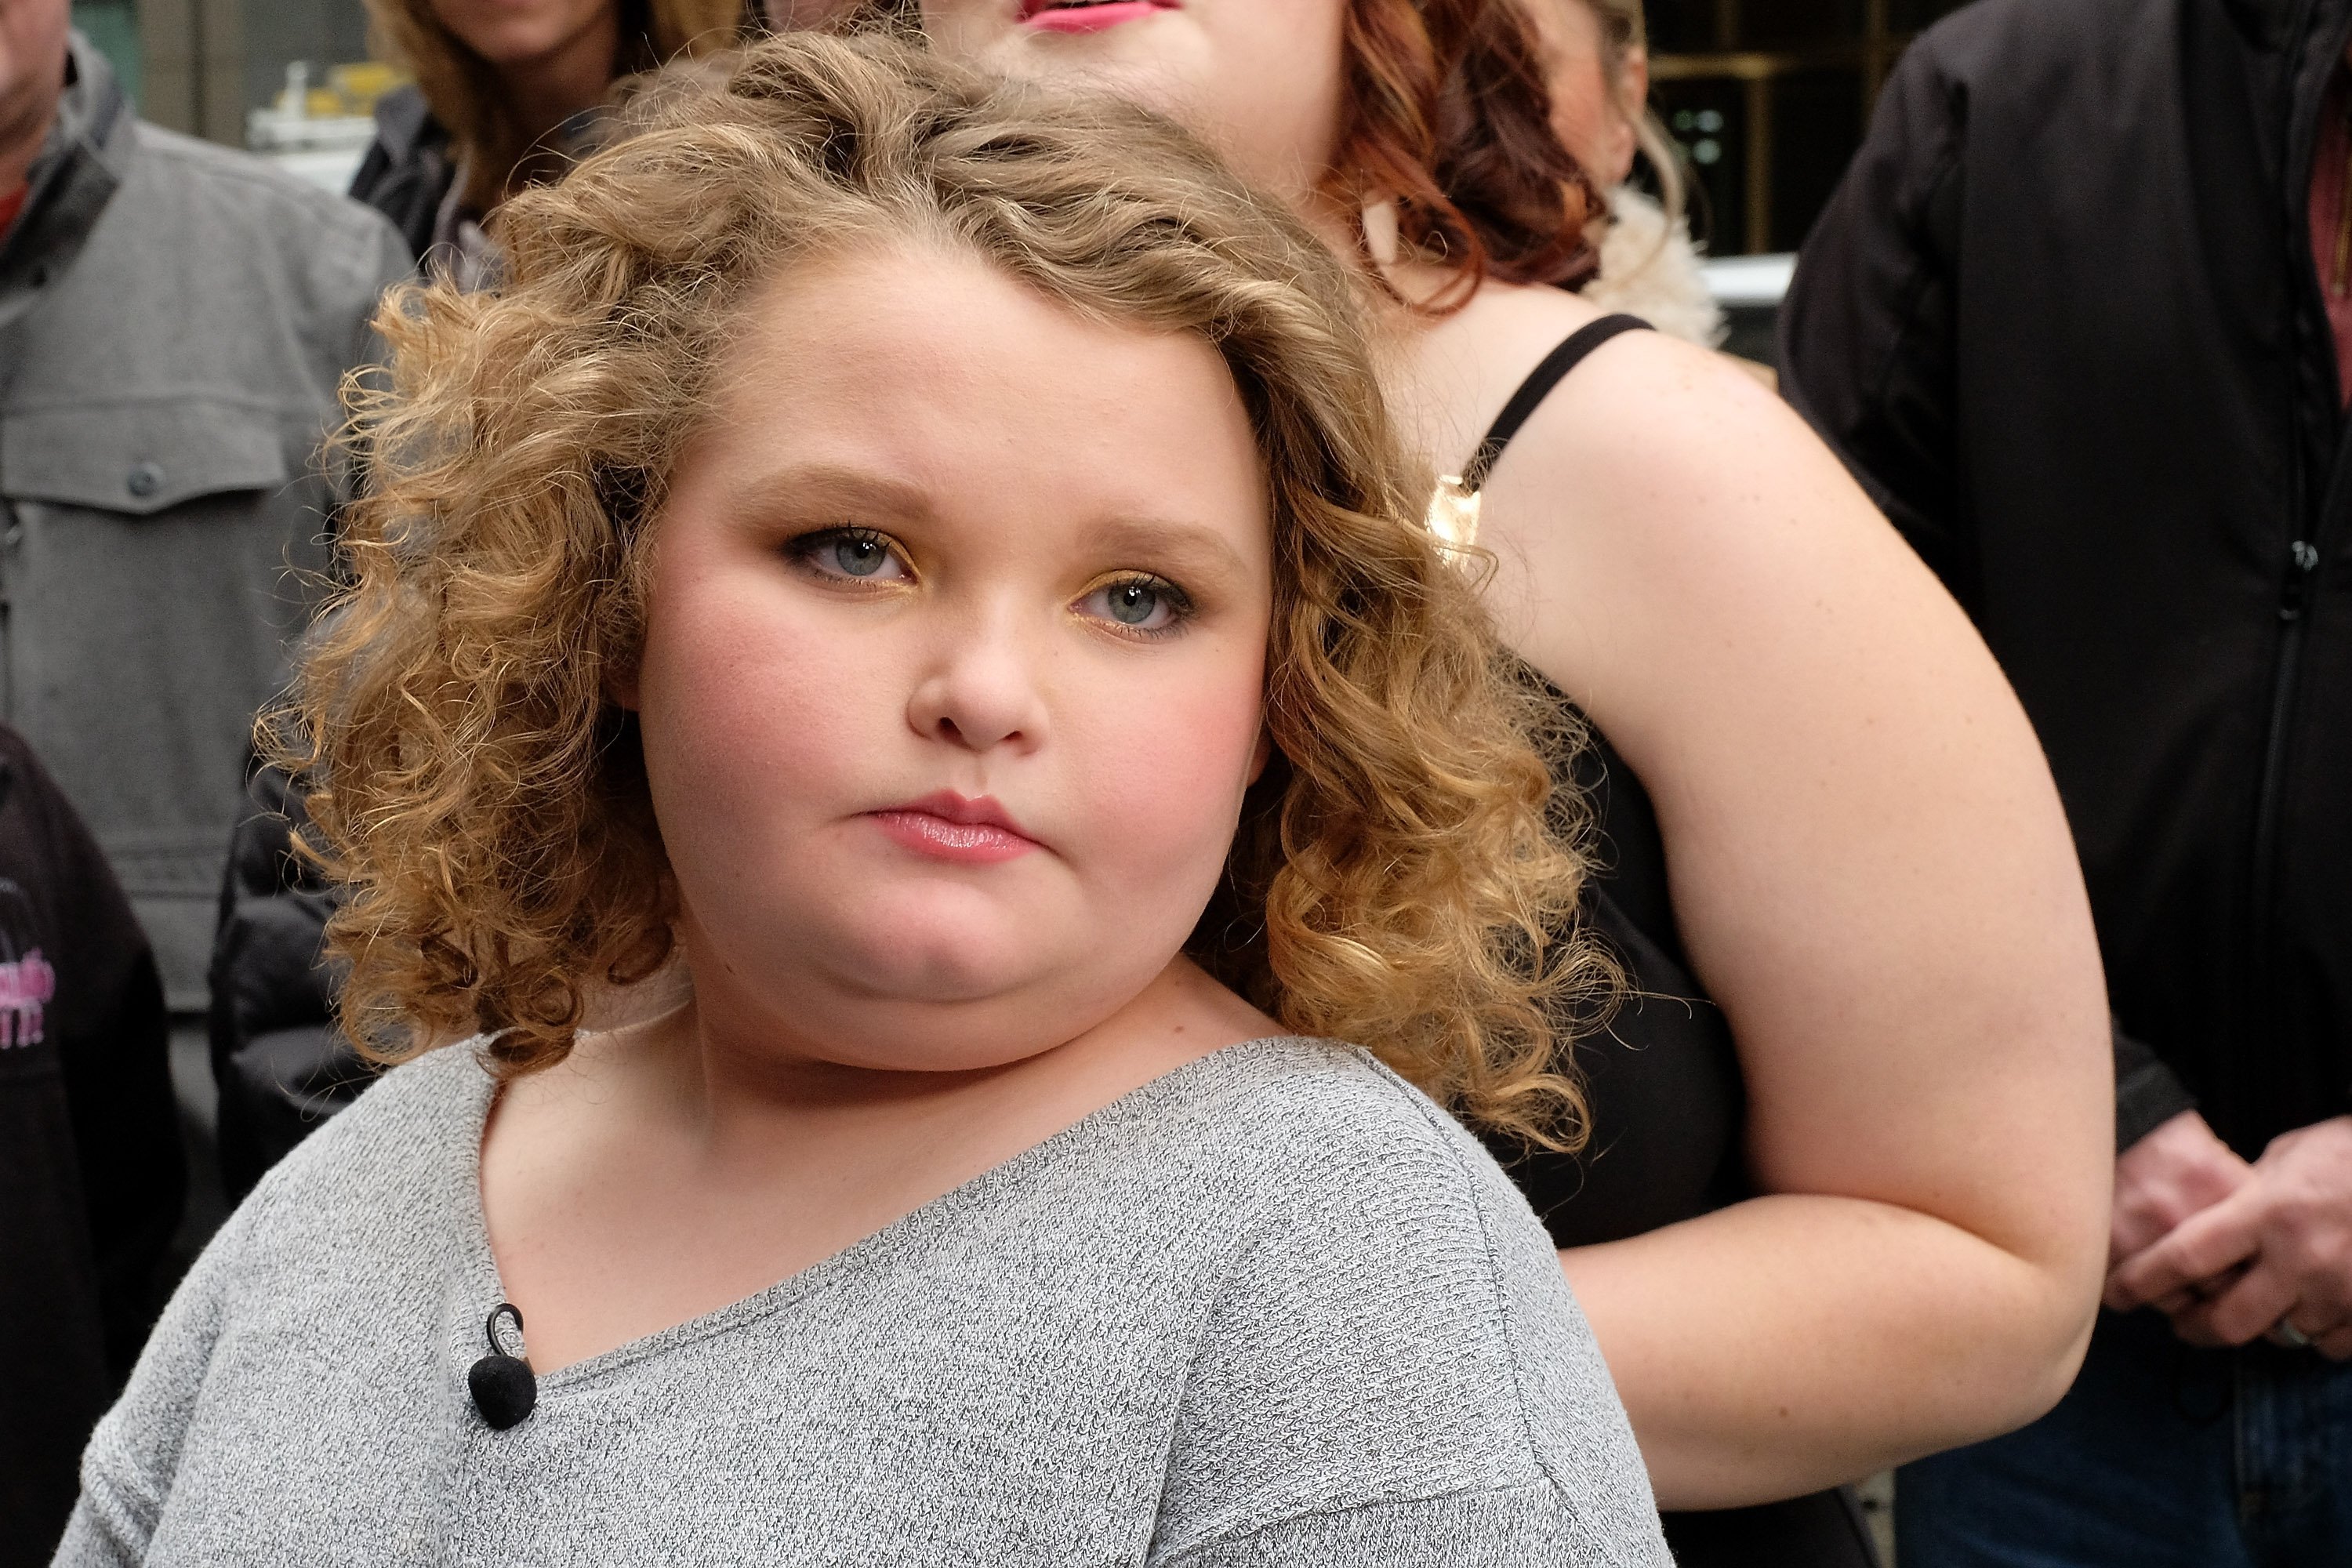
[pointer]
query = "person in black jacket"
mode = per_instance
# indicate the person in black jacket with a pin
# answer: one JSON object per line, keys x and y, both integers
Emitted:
{"x": 91, "y": 1172}
{"x": 278, "y": 1061}
{"x": 2080, "y": 317}
{"x": 506, "y": 94}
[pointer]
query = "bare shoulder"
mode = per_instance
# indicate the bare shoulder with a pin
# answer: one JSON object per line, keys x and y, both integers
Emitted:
{"x": 1656, "y": 452}
{"x": 1644, "y": 417}
{"x": 1646, "y": 410}
{"x": 1660, "y": 500}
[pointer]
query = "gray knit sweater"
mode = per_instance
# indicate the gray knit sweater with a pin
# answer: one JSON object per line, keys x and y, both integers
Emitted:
{"x": 1274, "y": 1308}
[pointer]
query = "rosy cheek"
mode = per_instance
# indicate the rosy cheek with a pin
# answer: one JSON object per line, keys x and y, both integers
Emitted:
{"x": 1161, "y": 778}
{"x": 761, "y": 716}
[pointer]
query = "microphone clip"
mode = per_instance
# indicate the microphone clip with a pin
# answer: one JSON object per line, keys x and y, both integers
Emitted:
{"x": 504, "y": 1388}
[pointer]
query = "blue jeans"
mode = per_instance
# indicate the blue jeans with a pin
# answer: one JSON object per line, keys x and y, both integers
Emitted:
{"x": 2160, "y": 1457}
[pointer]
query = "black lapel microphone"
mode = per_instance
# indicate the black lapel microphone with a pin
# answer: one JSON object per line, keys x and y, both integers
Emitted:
{"x": 503, "y": 1387}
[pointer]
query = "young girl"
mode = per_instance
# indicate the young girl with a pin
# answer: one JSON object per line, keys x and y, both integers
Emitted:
{"x": 919, "y": 579}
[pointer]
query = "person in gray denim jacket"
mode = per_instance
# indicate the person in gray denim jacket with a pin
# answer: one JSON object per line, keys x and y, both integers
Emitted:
{"x": 175, "y": 318}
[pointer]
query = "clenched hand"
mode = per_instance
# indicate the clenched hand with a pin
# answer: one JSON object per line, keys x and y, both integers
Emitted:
{"x": 2268, "y": 1243}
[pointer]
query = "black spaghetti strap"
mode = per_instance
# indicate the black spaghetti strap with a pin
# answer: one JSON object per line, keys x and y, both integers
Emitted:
{"x": 1538, "y": 386}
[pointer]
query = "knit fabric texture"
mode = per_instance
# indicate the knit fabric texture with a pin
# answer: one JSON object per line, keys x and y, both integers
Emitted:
{"x": 1276, "y": 1308}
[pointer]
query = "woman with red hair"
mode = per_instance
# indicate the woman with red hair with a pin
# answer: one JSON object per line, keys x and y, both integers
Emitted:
{"x": 1844, "y": 1202}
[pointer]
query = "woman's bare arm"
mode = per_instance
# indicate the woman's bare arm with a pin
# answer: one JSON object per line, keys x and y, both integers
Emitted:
{"x": 1873, "y": 877}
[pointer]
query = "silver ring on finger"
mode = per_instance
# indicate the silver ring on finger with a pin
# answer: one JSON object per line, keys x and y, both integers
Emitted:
{"x": 2283, "y": 1332}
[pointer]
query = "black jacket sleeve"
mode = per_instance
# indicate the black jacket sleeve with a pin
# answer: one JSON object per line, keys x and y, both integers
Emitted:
{"x": 281, "y": 1066}
{"x": 2148, "y": 1093}
{"x": 92, "y": 1170}
{"x": 1867, "y": 330}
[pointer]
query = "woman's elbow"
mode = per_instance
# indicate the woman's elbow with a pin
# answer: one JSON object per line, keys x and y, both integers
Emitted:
{"x": 2030, "y": 1345}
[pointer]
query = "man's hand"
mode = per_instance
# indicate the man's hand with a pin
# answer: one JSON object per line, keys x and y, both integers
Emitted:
{"x": 2176, "y": 1171}
{"x": 2278, "y": 1248}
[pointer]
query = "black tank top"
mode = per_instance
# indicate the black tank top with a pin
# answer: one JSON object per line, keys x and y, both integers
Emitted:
{"x": 1662, "y": 1082}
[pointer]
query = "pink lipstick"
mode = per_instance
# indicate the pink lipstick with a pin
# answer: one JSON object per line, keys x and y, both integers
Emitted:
{"x": 948, "y": 826}
{"x": 1062, "y": 16}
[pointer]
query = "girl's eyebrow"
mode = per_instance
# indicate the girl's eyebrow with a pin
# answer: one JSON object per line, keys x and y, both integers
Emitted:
{"x": 1185, "y": 546}
{"x": 829, "y": 484}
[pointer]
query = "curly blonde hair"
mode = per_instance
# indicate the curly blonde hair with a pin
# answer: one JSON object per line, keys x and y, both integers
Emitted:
{"x": 1394, "y": 881}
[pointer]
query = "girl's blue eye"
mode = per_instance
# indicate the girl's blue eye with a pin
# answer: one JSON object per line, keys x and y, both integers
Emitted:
{"x": 1139, "y": 604}
{"x": 1133, "y": 603}
{"x": 860, "y": 555}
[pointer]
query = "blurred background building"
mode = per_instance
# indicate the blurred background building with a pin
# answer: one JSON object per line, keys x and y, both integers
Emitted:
{"x": 221, "y": 69}
{"x": 1768, "y": 99}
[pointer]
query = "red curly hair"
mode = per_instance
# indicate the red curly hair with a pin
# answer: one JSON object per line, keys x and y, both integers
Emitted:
{"x": 1447, "y": 117}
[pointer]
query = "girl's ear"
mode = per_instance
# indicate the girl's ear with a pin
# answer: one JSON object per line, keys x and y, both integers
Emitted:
{"x": 621, "y": 685}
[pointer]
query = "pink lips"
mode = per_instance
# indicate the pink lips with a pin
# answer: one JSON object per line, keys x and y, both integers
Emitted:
{"x": 1047, "y": 16}
{"x": 946, "y": 826}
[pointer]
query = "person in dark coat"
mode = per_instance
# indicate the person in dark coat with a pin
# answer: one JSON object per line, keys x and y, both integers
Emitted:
{"x": 281, "y": 1065}
{"x": 90, "y": 1161}
{"x": 506, "y": 95}
{"x": 2080, "y": 317}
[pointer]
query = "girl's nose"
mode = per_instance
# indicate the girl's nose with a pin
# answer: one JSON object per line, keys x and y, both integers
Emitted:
{"x": 981, "y": 696}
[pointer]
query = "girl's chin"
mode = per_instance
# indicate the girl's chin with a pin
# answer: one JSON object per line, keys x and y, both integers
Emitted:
{"x": 933, "y": 958}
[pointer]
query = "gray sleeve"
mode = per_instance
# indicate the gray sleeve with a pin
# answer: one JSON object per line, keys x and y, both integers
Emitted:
{"x": 127, "y": 1469}
{"x": 1397, "y": 1372}
{"x": 375, "y": 259}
